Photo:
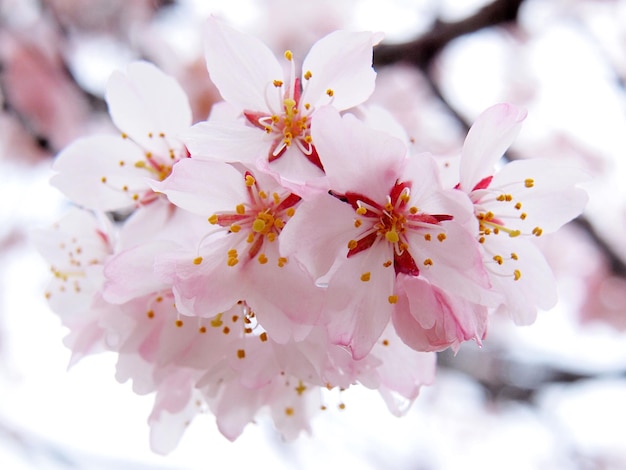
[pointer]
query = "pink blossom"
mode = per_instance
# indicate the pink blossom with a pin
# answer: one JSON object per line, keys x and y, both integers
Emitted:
{"x": 386, "y": 217}
{"x": 237, "y": 257}
{"x": 274, "y": 107}
{"x": 522, "y": 200}
{"x": 108, "y": 172}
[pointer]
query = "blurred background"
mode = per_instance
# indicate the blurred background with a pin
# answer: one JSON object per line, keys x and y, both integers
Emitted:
{"x": 552, "y": 395}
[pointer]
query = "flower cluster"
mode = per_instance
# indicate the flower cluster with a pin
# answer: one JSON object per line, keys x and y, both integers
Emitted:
{"x": 291, "y": 244}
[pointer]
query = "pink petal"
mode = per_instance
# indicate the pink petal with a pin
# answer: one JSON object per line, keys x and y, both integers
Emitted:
{"x": 241, "y": 66}
{"x": 341, "y": 62}
{"x": 356, "y": 159}
{"x": 146, "y": 102}
{"x": 487, "y": 140}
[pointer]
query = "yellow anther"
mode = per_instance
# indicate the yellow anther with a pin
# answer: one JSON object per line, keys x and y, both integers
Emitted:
{"x": 282, "y": 262}
{"x": 140, "y": 164}
{"x": 241, "y": 209}
{"x": 361, "y": 210}
{"x": 278, "y": 83}
{"x": 258, "y": 225}
{"x": 232, "y": 253}
{"x": 427, "y": 237}
{"x": 523, "y": 215}
{"x": 226, "y": 330}
{"x": 392, "y": 236}
{"x": 103, "y": 179}
{"x": 489, "y": 215}
{"x": 197, "y": 260}
{"x": 290, "y": 212}
{"x": 235, "y": 228}
{"x": 250, "y": 180}
{"x": 514, "y": 233}
{"x": 498, "y": 259}
{"x": 365, "y": 276}
{"x": 179, "y": 323}
{"x": 358, "y": 223}
{"x": 202, "y": 329}
{"x": 441, "y": 236}
{"x": 496, "y": 230}
{"x": 276, "y": 198}
{"x": 124, "y": 135}
{"x": 501, "y": 198}
{"x": 352, "y": 244}
{"x": 135, "y": 197}
{"x": 271, "y": 237}
{"x": 481, "y": 240}
{"x": 387, "y": 263}
{"x": 150, "y": 134}
{"x": 279, "y": 224}
{"x": 307, "y": 106}
{"x": 330, "y": 92}
{"x": 289, "y": 411}
{"x": 307, "y": 75}
{"x": 308, "y": 139}
{"x": 263, "y": 337}
{"x": 529, "y": 182}
{"x": 392, "y": 299}
{"x": 514, "y": 256}
{"x": 413, "y": 210}
{"x": 389, "y": 206}
{"x": 537, "y": 231}
{"x": 518, "y": 206}
{"x": 241, "y": 353}
{"x": 232, "y": 261}
{"x": 250, "y": 238}
{"x": 268, "y": 130}
{"x": 428, "y": 262}
{"x": 122, "y": 163}
{"x": 262, "y": 194}
{"x": 288, "y": 55}
{"x": 150, "y": 313}
{"x": 517, "y": 274}
{"x": 262, "y": 258}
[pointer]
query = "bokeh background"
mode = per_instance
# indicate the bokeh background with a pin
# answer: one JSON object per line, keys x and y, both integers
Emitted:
{"x": 552, "y": 395}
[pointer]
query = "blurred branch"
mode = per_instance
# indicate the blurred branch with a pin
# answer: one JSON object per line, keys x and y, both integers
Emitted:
{"x": 421, "y": 51}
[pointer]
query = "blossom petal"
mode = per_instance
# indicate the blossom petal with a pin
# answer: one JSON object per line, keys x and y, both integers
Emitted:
{"x": 318, "y": 233}
{"x": 341, "y": 62}
{"x": 352, "y": 153}
{"x": 546, "y": 191}
{"x": 241, "y": 67}
{"x": 98, "y": 172}
{"x": 487, "y": 140}
{"x": 203, "y": 187}
{"x": 145, "y": 103}
{"x": 227, "y": 141}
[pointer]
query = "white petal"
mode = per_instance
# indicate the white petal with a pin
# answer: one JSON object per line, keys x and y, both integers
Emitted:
{"x": 487, "y": 140}
{"x": 204, "y": 187}
{"x": 240, "y": 65}
{"x": 341, "y": 62}
{"x": 146, "y": 102}
{"x": 227, "y": 141}
{"x": 551, "y": 200}
{"x": 93, "y": 172}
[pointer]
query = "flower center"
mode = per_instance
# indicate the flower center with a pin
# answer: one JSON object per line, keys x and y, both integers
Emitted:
{"x": 262, "y": 217}
{"x": 290, "y": 123}
{"x": 391, "y": 223}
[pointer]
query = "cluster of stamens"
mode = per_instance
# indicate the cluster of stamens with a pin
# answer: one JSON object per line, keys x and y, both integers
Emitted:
{"x": 262, "y": 217}
{"x": 158, "y": 167}
{"x": 291, "y": 123}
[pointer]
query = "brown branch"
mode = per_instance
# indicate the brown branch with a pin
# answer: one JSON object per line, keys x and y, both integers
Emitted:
{"x": 421, "y": 51}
